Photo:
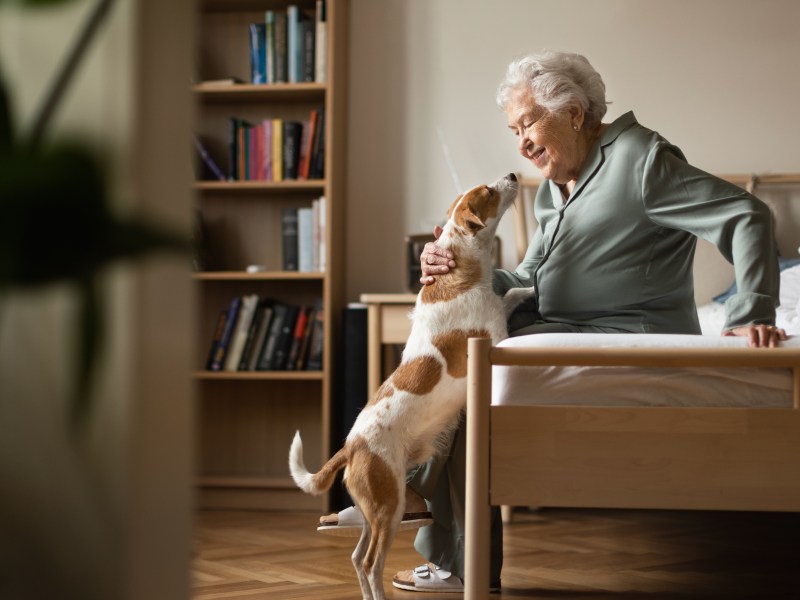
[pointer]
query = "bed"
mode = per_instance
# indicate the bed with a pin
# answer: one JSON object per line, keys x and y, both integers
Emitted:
{"x": 656, "y": 422}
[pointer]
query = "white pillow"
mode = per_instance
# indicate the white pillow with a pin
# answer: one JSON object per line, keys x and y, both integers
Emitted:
{"x": 788, "y": 313}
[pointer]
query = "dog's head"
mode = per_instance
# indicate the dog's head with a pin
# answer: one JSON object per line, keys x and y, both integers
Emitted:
{"x": 476, "y": 212}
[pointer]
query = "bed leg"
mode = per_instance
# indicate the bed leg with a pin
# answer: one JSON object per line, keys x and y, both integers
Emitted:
{"x": 477, "y": 534}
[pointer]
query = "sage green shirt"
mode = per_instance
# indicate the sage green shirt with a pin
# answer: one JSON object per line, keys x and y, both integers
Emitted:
{"x": 619, "y": 252}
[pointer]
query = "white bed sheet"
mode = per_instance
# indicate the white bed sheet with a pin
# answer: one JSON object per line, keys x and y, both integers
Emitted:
{"x": 635, "y": 386}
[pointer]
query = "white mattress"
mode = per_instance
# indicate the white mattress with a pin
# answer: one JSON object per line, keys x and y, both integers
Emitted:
{"x": 634, "y": 386}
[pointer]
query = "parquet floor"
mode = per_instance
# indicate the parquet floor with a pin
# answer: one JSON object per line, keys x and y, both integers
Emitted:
{"x": 552, "y": 554}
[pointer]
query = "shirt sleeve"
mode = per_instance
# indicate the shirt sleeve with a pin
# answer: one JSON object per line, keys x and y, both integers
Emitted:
{"x": 680, "y": 196}
{"x": 522, "y": 276}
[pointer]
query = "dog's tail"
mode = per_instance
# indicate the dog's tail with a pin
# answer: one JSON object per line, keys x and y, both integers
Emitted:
{"x": 314, "y": 483}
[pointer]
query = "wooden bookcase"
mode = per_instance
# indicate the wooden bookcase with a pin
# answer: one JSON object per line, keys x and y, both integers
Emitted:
{"x": 246, "y": 420}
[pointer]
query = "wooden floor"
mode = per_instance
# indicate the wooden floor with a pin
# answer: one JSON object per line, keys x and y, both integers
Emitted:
{"x": 549, "y": 554}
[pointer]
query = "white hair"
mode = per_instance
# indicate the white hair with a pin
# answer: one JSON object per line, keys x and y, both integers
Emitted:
{"x": 558, "y": 80}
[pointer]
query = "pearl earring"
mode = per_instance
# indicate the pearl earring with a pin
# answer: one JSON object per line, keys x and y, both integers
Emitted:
{"x": 576, "y": 128}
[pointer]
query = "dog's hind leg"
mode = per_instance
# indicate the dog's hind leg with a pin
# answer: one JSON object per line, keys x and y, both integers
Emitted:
{"x": 359, "y": 553}
{"x": 384, "y": 528}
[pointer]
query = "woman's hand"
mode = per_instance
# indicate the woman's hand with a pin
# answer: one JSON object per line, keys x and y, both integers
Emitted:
{"x": 435, "y": 260}
{"x": 759, "y": 336}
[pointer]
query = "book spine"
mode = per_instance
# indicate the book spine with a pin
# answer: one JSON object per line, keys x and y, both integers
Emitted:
{"x": 277, "y": 150}
{"x": 292, "y": 131}
{"x": 316, "y": 169}
{"x": 260, "y": 336}
{"x": 317, "y": 341}
{"x": 267, "y": 149}
{"x": 233, "y": 150}
{"x": 258, "y": 53}
{"x": 321, "y": 43}
{"x": 230, "y": 322}
{"x": 302, "y": 353}
{"x": 267, "y": 357}
{"x": 292, "y": 42}
{"x": 246, "y": 312}
{"x": 269, "y": 35}
{"x": 215, "y": 341}
{"x": 207, "y": 160}
{"x": 283, "y": 345}
{"x": 322, "y": 234}
{"x": 308, "y": 29}
{"x": 297, "y": 338}
{"x": 289, "y": 237}
{"x": 281, "y": 68}
{"x": 305, "y": 240}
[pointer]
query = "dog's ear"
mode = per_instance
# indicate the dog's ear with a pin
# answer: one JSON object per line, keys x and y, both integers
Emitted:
{"x": 473, "y": 222}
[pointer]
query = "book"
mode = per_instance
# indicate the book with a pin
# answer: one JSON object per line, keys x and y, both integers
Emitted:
{"x": 289, "y": 239}
{"x": 284, "y": 342}
{"x": 277, "y": 150}
{"x": 233, "y": 148}
{"x": 218, "y": 330}
{"x": 218, "y": 361}
{"x": 267, "y": 356}
{"x": 255, "y": 324}
{"x": 306, "y": 146}
{"x": 307, "y": 33}
{"x": 302, "y": 352}
{"x": 269, "y": 44}
{"x": 297, "y": 338}
{"x": 317, "y": 341}
{"x": 264, "y": 316}
{"x": 316, "y": 168}
{"x": 281, "y": 66}
{"x": 267, "y": 158}
{"x": 293, "y": 43}
{"x": 305, "y": 239}
{"x": 222, "y": 81}
{"x": 321, "y": 42}
{"x": 208, "y": 161}
{"x": 258, "y": 53}
{"x": 239, "y": 337}
{"x": 292, "y": 133}
{"x": 320, "y": 233}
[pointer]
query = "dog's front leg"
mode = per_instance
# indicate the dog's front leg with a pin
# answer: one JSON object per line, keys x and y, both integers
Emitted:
{"x": 358, "y": 562}
{"x": 514, "y": 297}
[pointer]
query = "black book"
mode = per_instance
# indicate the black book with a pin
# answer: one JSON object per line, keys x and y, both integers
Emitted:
{"x": 289, "y": 239}
{"x": 284, "y": 343}
{"x": 292, "y": 139}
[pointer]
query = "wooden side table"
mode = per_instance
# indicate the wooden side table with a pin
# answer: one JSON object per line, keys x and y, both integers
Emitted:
{"x": 388, "y": 322}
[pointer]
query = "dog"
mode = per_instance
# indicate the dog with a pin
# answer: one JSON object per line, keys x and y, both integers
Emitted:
{"x": 416, "y": 409}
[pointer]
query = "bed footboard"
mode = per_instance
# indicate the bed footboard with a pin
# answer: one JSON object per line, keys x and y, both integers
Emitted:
{"x": 701, "y": 458}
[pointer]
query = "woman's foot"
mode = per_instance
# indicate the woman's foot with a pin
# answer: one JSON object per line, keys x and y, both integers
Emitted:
{"x": 349, "y": 522}
{"x": 431, "y": 578}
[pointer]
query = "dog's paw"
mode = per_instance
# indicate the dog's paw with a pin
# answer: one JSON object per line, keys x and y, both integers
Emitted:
{"x": 516, "y": 296}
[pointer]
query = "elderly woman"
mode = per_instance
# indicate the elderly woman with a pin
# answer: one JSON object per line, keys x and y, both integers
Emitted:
{"x": 619, "y": 215}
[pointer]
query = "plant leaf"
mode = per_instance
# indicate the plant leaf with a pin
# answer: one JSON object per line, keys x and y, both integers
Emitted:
{"x": 6, "y": 126}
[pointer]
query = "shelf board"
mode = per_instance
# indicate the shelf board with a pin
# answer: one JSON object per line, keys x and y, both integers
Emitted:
{"x": 265, "y": 91}
{"x": 260, "y": 276}
{"x": 259, "y": 375}
{"x": 315, "y": 185}
{"x": 244, "y": 481}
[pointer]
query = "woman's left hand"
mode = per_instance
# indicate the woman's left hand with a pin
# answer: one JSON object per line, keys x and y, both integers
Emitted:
{"x": 759, "y": 336}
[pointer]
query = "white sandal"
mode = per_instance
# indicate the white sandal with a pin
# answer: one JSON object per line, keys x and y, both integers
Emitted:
{"x": 428, "y": 578}
{"x": 349, "y": 522}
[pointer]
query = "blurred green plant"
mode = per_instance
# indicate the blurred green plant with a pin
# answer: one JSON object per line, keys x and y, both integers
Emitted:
{"x": 56, "y": 222}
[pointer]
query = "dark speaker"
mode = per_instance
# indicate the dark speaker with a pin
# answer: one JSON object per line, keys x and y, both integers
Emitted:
{"x": 351, "y": 394}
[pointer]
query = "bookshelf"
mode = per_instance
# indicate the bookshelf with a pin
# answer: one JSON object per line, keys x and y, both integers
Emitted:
{"x": 246, "y": 419}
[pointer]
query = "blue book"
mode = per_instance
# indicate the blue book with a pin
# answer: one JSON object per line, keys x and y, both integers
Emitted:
{"x": 258, "y": 52}
{"x": 230, "y": 322}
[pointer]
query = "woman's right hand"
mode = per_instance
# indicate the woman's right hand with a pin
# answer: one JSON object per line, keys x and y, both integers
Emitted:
{"x": 435, "y": 260}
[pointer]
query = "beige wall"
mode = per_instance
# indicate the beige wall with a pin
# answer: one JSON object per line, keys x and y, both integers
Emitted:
{"x": 717, "y": 77}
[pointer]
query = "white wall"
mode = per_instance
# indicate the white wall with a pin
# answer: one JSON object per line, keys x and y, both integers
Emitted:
{"x": 717, "y": 77}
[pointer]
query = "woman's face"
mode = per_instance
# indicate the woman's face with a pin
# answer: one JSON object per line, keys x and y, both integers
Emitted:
{"x": 547, "y": 139}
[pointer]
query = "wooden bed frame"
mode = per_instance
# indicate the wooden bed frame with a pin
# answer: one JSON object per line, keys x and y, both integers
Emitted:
{"x": 623, "y": 457}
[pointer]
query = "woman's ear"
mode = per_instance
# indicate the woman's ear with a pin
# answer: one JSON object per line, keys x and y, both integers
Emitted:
{"x": 576, "y": 115}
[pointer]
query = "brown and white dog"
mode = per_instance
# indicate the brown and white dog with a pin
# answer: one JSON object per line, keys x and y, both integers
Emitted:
{"x": 420, "y": 403}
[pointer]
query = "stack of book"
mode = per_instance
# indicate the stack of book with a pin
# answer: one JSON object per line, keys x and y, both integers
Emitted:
{"x": 289, "y": 46}
{"x": 277, "y": 149}
{"x": 303, "y": 233}
{"x": 262, "y": 334}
